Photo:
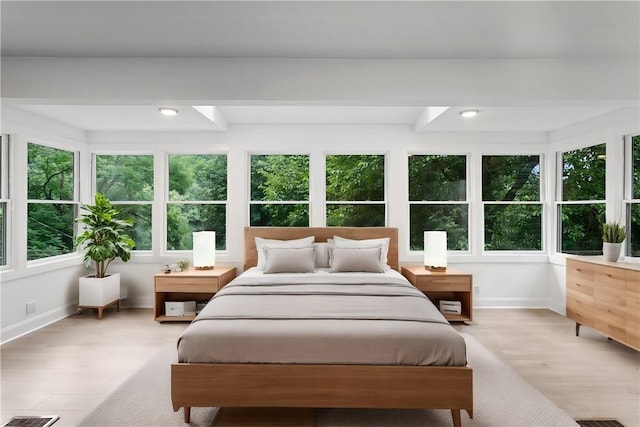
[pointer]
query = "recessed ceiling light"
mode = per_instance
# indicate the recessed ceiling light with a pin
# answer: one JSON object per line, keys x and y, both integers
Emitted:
{"x": 168, "y": 111}
{"x": 469, "y": 113}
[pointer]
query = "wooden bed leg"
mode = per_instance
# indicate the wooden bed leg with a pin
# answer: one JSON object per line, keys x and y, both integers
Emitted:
{"x": 457, "y": 422}
{"x": 187, "y": 414}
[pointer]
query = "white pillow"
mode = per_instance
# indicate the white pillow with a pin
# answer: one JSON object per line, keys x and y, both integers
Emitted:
{"x": 296, "y": 243}
{"x": 383, "y": 242}
{"x": 357, "y": 259}
{"x": 289, "y": 260}
{"x": 322, "y": 254}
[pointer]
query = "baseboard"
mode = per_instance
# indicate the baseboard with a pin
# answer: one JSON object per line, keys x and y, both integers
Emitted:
{"x": 138, "y": 302}
{"x": 509, "y": 302}
{"x": 33, "y": 323}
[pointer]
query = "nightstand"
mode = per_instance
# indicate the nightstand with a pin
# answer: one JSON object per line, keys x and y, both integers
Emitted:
{"x": 451, "y": 284}
{"x": 190, "y": 285}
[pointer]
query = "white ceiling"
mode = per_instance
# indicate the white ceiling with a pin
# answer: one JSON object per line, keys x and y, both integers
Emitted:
{"x": 554, "y": 30}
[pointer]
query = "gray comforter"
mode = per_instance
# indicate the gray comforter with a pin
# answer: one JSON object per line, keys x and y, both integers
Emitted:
{"x": 330, "y": 319}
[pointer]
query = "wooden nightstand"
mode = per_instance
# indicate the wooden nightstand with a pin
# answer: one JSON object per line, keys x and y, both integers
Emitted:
{"x": 190, "y": 285}
{"x": 451, "y": 284}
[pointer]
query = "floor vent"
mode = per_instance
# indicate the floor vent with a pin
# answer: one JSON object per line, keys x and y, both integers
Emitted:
{"x": 32, "y": 421}
{"x": 600, "y": 423}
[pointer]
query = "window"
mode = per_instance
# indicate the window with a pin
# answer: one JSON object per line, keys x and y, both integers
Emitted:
{"x": 4, "y": 197}
{"x": 197, "y": 199}
{"x": 51, "y": 201}
{"x": 438, "y": 199}
{"x": 279, "y": 190}
{"x": 581, "y": 210}
{"x": 355, "y": 191}
{"x": 633, "y": 197}
{"x": 127, "y": 181}
{"x": 511, "y": 200}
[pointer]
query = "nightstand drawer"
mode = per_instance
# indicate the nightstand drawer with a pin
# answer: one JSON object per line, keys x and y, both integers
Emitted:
{"x": 187, "y": 284}
{"x": 444, "y": 283}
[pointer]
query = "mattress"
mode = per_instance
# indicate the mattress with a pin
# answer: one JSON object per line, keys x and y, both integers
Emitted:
{"x": 321, "y": 318}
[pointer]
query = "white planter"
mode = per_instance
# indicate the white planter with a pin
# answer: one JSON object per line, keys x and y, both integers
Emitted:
{"x": 96, "y": 292}
{"x": 611, "y": 251}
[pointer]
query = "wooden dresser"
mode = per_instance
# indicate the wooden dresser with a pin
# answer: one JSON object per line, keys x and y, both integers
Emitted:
{"x": 605, "y": 296}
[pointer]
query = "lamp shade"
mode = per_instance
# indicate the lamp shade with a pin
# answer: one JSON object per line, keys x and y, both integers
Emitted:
{"x": 204, "y": 249}
{"x": 435, "y": 250}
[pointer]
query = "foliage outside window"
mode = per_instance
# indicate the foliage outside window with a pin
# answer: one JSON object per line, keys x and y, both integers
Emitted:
{"x": 279, "y": 190}
{"x": 355, "y": 191}
{"x": 511, "y": 199}
{"x": 581, "y": 211}
{"x": 4, "y": 196}
{"x": 51, "y": 201}
{"x": 438, "y": 199}
{"x": 633, "y": 205}
{"x": 127, "y": 181}
{"x": 197, "y": 199}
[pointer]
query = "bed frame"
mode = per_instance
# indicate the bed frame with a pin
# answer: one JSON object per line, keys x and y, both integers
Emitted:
{"x": 321, "y": 386}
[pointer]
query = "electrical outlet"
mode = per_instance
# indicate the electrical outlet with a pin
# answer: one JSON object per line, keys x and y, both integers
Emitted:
{"x": 476, "y": 289}
{"x": 31, "y": 307}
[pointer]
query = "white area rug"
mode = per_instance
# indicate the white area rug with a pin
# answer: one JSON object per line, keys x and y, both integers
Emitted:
{"x": 501, "y": 398}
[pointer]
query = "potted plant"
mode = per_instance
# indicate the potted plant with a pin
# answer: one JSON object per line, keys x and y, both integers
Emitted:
{"x": 104, "y": 238}
{"x": 613, "y": 234}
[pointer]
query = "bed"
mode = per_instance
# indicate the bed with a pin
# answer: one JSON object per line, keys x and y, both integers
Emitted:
{"x": 297, "y": 339}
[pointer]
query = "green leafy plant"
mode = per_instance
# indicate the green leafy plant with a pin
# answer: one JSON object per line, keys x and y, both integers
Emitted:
{"x": 104, "y": 236}
{"x": 183, "y": 264}
{"x": 613, "y": 232}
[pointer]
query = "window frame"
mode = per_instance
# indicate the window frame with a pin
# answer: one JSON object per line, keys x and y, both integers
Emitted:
{"x": 74, "y": 202}
{"x": 167, "y": 202}
{"x": 467, "y": 202}
{"x": 251, "y": 202}
{"x": 385, "y": 185}
{"x": 540, "y": 202}
{"x": 5, "y": 202}
{"x": 152, "y": 203}
{"x": 628, "y": 200}
{"x": 559, "y": 201}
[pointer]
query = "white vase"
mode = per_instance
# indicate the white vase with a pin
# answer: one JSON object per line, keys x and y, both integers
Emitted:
{"x": 611, "y": 251}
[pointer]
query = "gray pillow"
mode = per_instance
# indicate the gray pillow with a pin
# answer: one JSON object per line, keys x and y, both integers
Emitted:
{"x": 322, "y": 254}
{"x": 296, "y": 243}
{"x": 357, "y": 259}
{"x": 288, "y": 260}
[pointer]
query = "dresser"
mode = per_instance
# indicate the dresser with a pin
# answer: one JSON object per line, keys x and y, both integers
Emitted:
{"x": 605, "y": 296}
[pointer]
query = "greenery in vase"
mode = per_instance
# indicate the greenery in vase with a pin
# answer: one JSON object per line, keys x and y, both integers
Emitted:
{"x": 613, "y": 232}
{"x": 183, "y": 264}
{"x": 104, "y": 236}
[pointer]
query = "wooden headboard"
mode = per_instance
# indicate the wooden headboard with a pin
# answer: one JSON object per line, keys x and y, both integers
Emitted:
{"x": 321, "y": 234}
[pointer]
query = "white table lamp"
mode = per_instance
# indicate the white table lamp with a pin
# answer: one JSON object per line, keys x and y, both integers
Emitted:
{"x": 204, "y": 250}
{"x": 435, "y": 250}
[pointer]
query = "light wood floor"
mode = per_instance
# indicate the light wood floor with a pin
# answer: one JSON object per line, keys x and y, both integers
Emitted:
{"x": 69, "y": 367}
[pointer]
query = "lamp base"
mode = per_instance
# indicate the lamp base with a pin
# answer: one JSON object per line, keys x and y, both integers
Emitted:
{"x": 207, "y": 267}
{"x": 432, "y": 268}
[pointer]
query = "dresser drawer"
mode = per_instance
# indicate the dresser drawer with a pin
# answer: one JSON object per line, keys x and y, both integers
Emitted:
{"x": 186, "y": 284}
{"x": 580, "y": 270}
{"x": 444, "y": 283}
{"x": 611, "y": 313}
{"x": 577, "y": 299}
{"x": 633, "y": 334}
{"x": 611, "y": 328}
{"x": 611, "y": 296}
{"x": 609, "y": 277}
{"x": 581, "y": 286}
{"x": 580, "y": 315}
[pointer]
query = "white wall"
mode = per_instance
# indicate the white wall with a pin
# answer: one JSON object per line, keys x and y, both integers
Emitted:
{"x": 504, "y": 280}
